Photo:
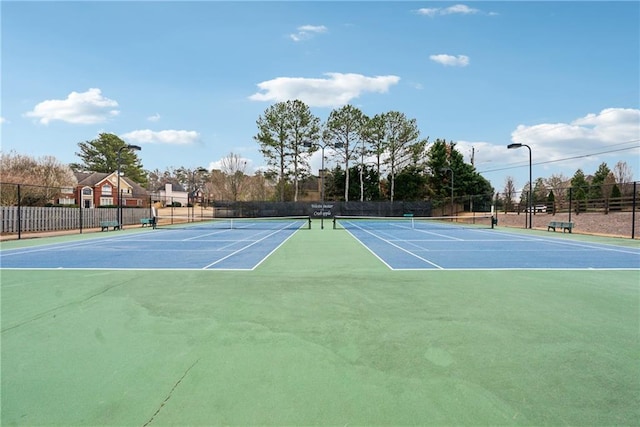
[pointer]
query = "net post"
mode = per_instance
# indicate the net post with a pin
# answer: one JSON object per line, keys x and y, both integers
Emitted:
{"x": 334, "y": 222}
{"x": 309, "y": 222}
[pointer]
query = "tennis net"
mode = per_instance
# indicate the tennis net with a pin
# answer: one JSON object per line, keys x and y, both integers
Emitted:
{"x": 411, "y": 222}
{"x": 258, "y": 223}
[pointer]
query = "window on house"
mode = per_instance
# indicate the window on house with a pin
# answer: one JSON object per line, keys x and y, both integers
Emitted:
{"x": 106, "y": 201}
{"x": 106, "y": 190}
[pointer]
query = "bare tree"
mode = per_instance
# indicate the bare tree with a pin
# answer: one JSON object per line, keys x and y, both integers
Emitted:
{"x": 558, "y": 183}
{"x": 42, "y": 177}
{"x": 233, "y": 168}
{"x": 509, "y": 193}
{"x": 259, "y": 187}
{"x": 623, "y": 175}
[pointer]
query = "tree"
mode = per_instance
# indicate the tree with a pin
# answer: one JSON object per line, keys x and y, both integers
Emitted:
{"x": 41, "y": 178}
{"x": 273, "y": 137}
{"x": 616, "y": 195}
{"x": 411, "y": 184}
{"x": 258, "y": 187}
{"x": 101, "y": 155}
{"x": 283, "y": 130}
{"x": 344, "y": 128}
{"x": 335, "y": 183}
{"x": 438, "y": 160}
{"x": 558, "y": 184}
{"x": 509, "y": 193}
{"x": 579, "y": 188}
{"x": 192, "y": 179}
{"x": 551, "y": 202}
{"x": 373, "y": 134}
{"x": 446, "y": 166}
{"x": 539, "y": 191}
{"x": 304, "y": 131}
{"x": 400, "y": 139}
{"x": 599, "y": 178}
{"x": 232, "y": 179}
{"x": 622, "y": 173}
{"x": 524, "y": 196}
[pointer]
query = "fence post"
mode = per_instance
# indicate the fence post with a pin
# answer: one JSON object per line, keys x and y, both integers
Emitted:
{"x": 633, "y": 211}
{"x": 570, "y": 202}
{"x": 19, "y": 215}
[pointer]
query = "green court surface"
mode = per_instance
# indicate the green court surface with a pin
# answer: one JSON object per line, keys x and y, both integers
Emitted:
{"x": 321, "y": 333}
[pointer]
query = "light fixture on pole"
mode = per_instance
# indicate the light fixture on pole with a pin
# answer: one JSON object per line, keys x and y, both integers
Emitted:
{"x": 530, "y": 195}
{"x": 119, "y": 196}
{"x": 450, "y": 170}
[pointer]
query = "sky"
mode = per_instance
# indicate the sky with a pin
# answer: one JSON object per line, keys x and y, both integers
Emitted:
{"x": 187, "y": 80}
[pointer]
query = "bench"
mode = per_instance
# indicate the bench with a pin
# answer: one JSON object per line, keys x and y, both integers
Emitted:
{"x": 105, "y": 225}
{"x": 146, "y": 221}
{"x": 564, "y": 226}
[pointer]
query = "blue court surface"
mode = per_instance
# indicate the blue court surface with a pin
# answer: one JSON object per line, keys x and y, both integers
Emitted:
{"x": 171, "y": 248}
{"x": 399, "y": 246}
{"x": 405, "y": 246}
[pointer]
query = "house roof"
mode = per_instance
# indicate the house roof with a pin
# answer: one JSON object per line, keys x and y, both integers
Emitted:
{"x": 91, "y": 179}
{"x": 174, "y": 187}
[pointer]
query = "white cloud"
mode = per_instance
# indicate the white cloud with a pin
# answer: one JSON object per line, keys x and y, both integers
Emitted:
{"x": 79, "y": 108}
{"x": 154, "y": 118}
{"x": 613, "y": 129}
{"x": 305, "y": 32}
{"x": 451, "y": 60}
{"x": 173, "y": 137}
{"x": 428, "y": 11}
{"x": 612, "y": 125}
{"x": 3, "y": 120}
{"x": 456, "y": 9}
{"x": 336, "y": 90}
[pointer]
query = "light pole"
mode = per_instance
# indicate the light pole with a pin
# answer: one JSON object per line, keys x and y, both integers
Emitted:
{"x": 119, "y": 210}
{"x": 518, "y": 145}
{"x": 322, "y": 173}
{"x": 450, "y": 170}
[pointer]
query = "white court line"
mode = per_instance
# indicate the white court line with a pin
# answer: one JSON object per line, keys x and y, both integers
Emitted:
{"x": 561, "y": 241}
{"x": 251, "y": 244}
{"x": 53, "y": 247}
{"x": 394, "y": 245}
{"x": 564, "y": 246}
{"x": 440, "y": 270}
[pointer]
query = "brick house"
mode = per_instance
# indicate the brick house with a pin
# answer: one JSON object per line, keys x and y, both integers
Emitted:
{"x": 94, "y": 189}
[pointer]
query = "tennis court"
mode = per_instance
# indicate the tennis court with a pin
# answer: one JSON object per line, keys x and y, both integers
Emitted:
{"x": 472, "y": 243}
{"x": 220, "y": 244}
{"x": 318, "y": 329}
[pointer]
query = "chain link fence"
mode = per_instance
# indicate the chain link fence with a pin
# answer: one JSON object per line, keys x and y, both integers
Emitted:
{"x": 38, "y": 209}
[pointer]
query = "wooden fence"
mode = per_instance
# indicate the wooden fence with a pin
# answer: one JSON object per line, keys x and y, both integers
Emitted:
{"x": 31, "y": 219}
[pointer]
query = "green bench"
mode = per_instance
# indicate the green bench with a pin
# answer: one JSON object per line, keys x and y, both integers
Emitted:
{"x": 564, "y": 226}
{"x": 146, "y": 221}
{"x": 105, "y": 225}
